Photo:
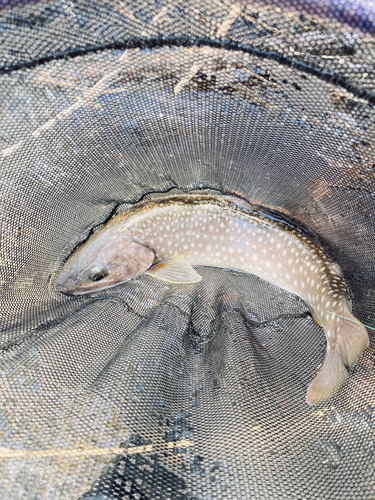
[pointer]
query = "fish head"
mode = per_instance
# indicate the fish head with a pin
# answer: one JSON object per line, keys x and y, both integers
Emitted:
{"x": 95, "y": 267}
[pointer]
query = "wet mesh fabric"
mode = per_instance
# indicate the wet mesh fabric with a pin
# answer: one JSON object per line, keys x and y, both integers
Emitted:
{"x": 150, "y": 390}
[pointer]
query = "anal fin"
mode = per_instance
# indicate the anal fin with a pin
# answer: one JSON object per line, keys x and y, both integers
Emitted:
{"x": 175, "y": 269}
{"x": 315, "y": 315}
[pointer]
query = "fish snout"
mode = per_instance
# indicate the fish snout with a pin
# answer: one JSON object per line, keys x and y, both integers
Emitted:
{"x": 61, "y": 288}
{"x": 67, "y": 284}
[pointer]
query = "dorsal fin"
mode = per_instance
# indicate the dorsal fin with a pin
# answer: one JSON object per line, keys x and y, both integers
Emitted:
{"x": 336, "y": 269}
{"x": 240, "y": 203}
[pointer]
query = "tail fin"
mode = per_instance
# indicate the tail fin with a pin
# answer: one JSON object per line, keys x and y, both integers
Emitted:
{"x": 332, "y": 376}
{"x": 351, "y": 341}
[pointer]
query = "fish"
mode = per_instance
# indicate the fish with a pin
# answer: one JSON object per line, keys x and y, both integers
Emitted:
{"x": 166, "y": 237}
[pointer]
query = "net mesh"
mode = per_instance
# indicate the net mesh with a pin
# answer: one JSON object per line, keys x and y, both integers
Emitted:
{"x": 156, "y": 391}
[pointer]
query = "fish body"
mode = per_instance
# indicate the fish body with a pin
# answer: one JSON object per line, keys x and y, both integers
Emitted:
{"x": 166, "y": 237}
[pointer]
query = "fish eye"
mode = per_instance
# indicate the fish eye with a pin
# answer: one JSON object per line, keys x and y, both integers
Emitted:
{"x": 98, "y": 274}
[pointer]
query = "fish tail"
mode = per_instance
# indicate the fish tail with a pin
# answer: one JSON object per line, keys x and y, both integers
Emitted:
{"x": 350, "y": 341}
{"x": 332, "y": 376}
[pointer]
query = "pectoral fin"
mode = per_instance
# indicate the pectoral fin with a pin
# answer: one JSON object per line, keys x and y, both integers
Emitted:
{"x": 175, "y": 269}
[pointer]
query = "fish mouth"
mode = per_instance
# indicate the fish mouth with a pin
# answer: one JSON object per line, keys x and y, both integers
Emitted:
{"x": 75, "y": 290}
{"x": 63, "y": 289}
{"x": 67, "y": 285}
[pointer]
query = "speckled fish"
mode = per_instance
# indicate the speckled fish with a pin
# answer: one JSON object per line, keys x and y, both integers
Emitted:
{"x": 167, "y": 236}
